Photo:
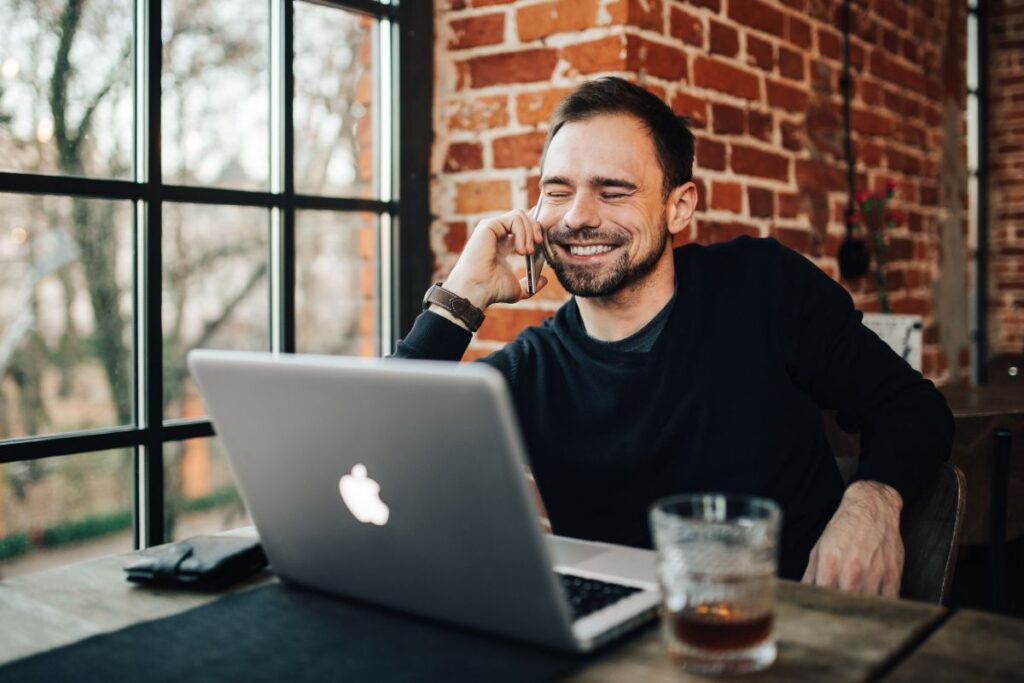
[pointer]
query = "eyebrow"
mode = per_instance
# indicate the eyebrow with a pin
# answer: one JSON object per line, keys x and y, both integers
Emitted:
{"x": 596, "y": 181}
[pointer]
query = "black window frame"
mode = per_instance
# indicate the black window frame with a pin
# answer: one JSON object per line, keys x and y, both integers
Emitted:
{"x": 408, "y": 264}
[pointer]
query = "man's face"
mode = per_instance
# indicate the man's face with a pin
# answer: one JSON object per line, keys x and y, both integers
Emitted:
{"x": 603, "y": 205}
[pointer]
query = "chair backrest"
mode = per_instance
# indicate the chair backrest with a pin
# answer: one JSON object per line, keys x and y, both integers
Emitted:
{"x": 931, "y": 536}
{"x": 931, "y": 533}
{"x": 1006, "y": 369}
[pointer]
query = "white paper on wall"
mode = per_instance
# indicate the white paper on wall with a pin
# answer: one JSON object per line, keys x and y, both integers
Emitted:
{"x": 901, "y": 332}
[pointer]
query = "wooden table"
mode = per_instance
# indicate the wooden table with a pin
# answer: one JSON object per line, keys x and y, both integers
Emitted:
{"x": 823, "y": 634}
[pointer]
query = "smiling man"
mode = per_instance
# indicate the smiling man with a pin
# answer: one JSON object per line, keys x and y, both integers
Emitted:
{"x": 699, "y": 368}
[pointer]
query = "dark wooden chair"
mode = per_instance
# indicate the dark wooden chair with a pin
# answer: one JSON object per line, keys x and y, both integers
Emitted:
{"x": 931, "y": 533}
{"x": 1006, "y": 369}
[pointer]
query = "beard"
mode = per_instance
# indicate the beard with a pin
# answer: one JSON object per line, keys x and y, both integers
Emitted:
{"x": 594, "y": 280}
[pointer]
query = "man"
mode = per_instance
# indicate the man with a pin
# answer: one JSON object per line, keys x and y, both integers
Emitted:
{"x": 701, "y": 368}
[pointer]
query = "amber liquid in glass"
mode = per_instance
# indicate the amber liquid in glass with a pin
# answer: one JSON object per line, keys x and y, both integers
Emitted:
{"x": 718, "y": 626}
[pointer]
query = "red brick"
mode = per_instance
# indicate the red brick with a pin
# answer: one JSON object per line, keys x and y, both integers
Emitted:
{"x": 532, "y": 189}
{"x": 891, "y": 41}
{"x": 518, "y": 151}
{"x": 716, "y": 75}
{"x": 713, "y": 5}
{"x": 822, "y": 77}
{"x": 929, "y": 195}
{"x": 455, "y": 237}
{"x": 702, "y": 195}
{"x": 789, "y": 205}
{"x": 794, "y": 136}
{"x": 791, "y": 63}
{"x": 693, "y": 108}
{"x": 726, "y": 196}
{"x": 858, "y": 57}
{"x": 537, "y": 107}
{"x": 604, "y": 54}
{"x": 655, "y": 59}
{"x": 760, "y": 53}
{"x": 759, "y": 125}
{"x": 479, "y": 196}
{"x": 482, "y": 113}
{"x": 710, "y": 155}
{"x": 464, "y": 156}
{"x": 523, "y": 66}
{"x": 727, "y": 119}
{"x": 646, "y": 15}
{"x": 757, "y": 14}
{"x": 798, "y": 32}
{"x": 761, "y": 202}
{"x": 724, "y": 40}
{"x": 906, "y": 163}
{"x": 720, "y": 231}
{"x": 910, "y": 50}
{"x": 487, "y": 29}
{"x": 893, "y": 71}
{"x": 829, "y": 43}
{"x": 560, "y": 16}
{"x": 795, "y": 239}
{"x": 785, "y": 96}
{"x": 893, "y": 11}
{"x": 819, "y": 174}
{"x": 686, "y": 27}
{"x": 756, "y": 162}
{"x": 870, "y": 92}
{"x": 503, "y": 324}
{"x": 868, "y": 122}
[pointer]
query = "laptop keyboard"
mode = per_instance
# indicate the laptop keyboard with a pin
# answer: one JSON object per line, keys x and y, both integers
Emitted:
{"x": 587, "y": 596}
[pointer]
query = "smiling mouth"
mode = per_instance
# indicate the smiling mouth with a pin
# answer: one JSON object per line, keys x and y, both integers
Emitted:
{"x": 587, "y": 250}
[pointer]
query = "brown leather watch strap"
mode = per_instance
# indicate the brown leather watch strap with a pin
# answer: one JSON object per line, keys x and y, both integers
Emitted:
{"x": 456, "y": 305}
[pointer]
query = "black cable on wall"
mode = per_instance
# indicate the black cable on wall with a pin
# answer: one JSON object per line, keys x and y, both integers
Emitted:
{"x": 853, "y": 254}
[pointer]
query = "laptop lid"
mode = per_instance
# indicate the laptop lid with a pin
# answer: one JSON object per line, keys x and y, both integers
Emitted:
{"x": 427, "y": 454}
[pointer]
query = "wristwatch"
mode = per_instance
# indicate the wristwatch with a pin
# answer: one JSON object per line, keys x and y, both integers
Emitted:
{"x": 456, "y": 305}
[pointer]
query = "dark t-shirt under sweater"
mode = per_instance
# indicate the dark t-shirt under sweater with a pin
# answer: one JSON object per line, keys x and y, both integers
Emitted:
{"x": 728, "y": 398}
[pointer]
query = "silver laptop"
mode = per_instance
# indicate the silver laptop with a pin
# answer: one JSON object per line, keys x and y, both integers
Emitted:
{"x": 401, "y": 483}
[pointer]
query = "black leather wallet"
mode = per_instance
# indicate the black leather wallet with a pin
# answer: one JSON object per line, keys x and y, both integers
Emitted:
{"x": 203, "y": 562}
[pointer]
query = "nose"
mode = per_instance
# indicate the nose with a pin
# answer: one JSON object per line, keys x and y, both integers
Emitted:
{"x": 583, "y": 213}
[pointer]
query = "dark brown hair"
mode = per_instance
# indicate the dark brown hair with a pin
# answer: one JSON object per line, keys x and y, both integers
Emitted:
{"x": 672, "y": 138}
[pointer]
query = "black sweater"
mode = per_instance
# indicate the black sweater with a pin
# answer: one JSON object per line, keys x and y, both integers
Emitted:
{"x": 728, "y": 399}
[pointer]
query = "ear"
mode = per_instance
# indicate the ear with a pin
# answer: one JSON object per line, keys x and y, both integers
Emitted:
{"x": 680, "y": 206}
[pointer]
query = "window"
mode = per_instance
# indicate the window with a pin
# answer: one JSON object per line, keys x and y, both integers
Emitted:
{"x": 179, "y": 174}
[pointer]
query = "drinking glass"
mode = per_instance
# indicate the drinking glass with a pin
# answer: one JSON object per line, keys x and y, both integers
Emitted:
{"x": 717, "y": 559}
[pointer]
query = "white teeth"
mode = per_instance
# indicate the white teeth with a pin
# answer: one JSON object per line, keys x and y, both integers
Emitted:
{"x": 590, "y": 250}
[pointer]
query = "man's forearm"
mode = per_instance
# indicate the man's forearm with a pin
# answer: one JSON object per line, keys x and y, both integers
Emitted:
{"x": 434, "y": 337}
{"x": 861, "y": 549}
{"x": 876, "y": 494}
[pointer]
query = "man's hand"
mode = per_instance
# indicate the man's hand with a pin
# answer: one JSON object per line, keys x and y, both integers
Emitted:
{"x": 861, "y": 549}
{"x": 482, "y": 273}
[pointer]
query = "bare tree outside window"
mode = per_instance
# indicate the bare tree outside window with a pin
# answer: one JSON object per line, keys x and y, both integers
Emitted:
{"x": 66, "y": 263}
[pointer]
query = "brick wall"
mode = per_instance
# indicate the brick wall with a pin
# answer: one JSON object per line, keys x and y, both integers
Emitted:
{"x": 1006, "y": 177}
{"x": 758, "y": 81}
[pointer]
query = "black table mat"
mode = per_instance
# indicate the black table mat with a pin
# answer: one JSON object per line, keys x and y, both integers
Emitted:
{"x": 279, "y": 633}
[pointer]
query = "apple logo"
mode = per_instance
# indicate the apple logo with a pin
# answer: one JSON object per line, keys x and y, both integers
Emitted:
{"x": 362, "y": 497}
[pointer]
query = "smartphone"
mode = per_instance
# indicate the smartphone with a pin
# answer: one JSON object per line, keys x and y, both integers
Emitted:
{"x": 534, "y": 261}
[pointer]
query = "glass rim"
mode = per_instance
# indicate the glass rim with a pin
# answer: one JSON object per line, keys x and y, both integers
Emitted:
{"x": 769, "y": 508}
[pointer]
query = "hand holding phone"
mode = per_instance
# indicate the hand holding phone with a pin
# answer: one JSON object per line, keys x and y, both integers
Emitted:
{"x": 534, "y": 261}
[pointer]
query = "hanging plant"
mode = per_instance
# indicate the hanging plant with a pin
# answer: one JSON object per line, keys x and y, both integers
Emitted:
{"x": 872, "y": 223}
